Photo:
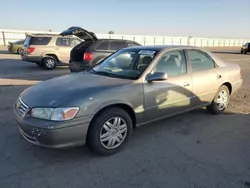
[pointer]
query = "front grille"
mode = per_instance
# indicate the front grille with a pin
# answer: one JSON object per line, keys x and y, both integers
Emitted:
{"x": 21, "y": 107}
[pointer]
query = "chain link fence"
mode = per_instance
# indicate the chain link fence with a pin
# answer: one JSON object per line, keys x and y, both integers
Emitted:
{"x": 7, "y": 36}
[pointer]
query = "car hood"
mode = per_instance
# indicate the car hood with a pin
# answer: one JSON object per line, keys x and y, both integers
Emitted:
{"x": 80, "y": 32}
{"x": 63, "y": 90}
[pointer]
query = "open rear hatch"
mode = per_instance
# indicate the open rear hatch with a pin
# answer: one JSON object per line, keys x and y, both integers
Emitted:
{"x": 81, "y": 33}
{"x": 78, "y": 51}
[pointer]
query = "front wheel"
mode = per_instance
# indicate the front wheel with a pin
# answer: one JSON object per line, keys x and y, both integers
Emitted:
{"x": 220, "y": 102}
{"x": 49, "y": 63}
{"x": 109, "y": 131}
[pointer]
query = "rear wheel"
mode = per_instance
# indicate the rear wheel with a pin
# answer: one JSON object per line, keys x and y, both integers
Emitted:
{"x": 220, "y": 102}
{"x": 109, "y": 131}
{"x": 49, "y": 63}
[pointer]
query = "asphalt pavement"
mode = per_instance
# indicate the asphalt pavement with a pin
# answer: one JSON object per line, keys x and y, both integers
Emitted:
{"x": 195, "y": 149}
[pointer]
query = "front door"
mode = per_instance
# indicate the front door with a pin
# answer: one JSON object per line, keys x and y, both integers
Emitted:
{"x": 163, "y": 98}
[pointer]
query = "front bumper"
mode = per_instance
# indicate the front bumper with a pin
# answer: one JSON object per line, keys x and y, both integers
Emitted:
{"x": 57, "y": 138}
{"x": 52, "y": 134}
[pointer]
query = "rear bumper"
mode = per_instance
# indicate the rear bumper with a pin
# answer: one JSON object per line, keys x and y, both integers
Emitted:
{"x": 75, "y": 66}
{"x": 31, "y": 58}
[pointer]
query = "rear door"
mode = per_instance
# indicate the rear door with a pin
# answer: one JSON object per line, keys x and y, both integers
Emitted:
{"x": 205, "y": 76}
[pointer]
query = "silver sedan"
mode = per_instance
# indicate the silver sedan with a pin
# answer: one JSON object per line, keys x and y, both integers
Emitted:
{"x": 133, "y": 86}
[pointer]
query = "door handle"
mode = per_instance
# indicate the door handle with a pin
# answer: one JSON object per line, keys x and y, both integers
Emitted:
{"x": 186, "y": 85}
{"x": 219, "y": 76}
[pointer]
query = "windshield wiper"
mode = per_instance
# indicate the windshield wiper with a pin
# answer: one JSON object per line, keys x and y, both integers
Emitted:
{"x": 105, "y": 73}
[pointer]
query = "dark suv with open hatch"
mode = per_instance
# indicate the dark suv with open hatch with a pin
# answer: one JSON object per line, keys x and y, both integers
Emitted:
{"x": 92, "y": 50}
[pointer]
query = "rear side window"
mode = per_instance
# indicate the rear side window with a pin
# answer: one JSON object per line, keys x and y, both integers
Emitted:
{"x": 63, "y": 42}
{"x": 200, "y": 60}
{"x": 117, "y": 45}
{"x": 103, "y": 46}
{"x": 39, "y": 40}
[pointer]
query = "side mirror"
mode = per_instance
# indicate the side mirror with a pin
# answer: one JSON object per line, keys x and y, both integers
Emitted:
{"x": 157, "y": 76}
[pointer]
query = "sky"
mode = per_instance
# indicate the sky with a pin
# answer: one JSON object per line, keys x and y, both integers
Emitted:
{"x": 199, "y": 18}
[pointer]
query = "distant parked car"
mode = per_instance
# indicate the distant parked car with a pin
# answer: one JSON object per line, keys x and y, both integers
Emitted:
{"x": 133, "y": 86}
{"x": 15, "y": 47}
{"x": 90, "y": 52}
{"x": 245, "y": 48}
{"x": 48, "y": 50}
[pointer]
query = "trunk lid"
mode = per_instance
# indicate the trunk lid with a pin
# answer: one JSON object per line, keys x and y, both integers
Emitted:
{"x": 80, "y": 32}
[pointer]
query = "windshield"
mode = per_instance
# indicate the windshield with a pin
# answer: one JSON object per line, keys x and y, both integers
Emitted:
{"x": 126, "y": 63}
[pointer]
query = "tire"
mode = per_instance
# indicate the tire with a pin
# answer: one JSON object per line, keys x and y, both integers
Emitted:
{"x": 49, "y": 63}
{"x": 241, "y": 51}
{"x": 99, "y": 128}
{"x": 40, "y": 64}
{"x": 224, "y": 95}
{"x": 18, "y": 51}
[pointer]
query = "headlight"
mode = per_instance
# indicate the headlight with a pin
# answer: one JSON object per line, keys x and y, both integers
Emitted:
{"x": 55, "y": 114}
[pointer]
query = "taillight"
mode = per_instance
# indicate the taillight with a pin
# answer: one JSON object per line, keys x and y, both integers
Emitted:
{"x": 87, "y": 56}
{"x": 30, "y": 50}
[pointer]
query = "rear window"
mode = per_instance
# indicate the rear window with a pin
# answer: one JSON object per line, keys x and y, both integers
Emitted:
{"x": 39, "y": 40}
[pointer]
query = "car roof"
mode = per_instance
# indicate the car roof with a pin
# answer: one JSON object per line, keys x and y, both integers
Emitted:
{"x": 162, "y": 47}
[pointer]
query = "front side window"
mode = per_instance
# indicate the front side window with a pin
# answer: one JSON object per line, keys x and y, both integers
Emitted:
{"x": 172, "y": 63}
{"x": 63, "y": 42}
{"x": 114, "y": 46}
{"x": 200, "y": 60}
{"x": 126, "y": 63}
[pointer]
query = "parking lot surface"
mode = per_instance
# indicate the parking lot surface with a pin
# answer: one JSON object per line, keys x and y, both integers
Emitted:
{"x": 195, "y": 149}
